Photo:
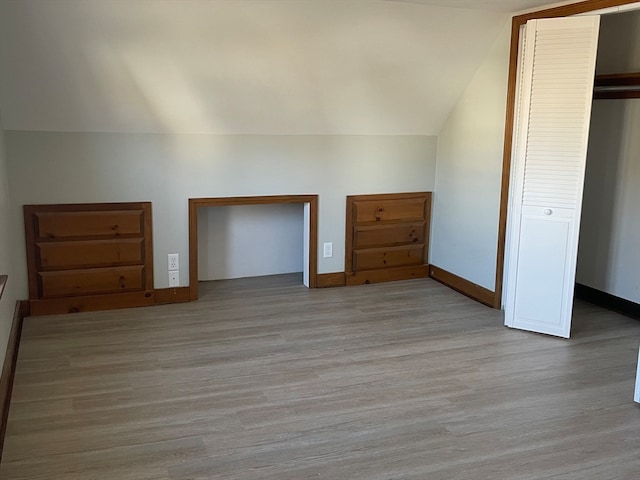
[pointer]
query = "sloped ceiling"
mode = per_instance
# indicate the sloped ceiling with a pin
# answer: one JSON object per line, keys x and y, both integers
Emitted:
{"x": 497, "y": 5}
{"x": 239, "y": 66}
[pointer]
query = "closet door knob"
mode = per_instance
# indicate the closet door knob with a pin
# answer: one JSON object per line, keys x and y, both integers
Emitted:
{"x": 548, "y": 211}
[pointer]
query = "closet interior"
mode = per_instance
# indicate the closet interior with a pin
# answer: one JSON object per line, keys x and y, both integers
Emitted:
{"x": 609, "y": 246}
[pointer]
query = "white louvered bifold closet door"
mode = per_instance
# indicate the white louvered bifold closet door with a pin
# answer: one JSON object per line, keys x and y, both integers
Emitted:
{"x": 552, "y": 129}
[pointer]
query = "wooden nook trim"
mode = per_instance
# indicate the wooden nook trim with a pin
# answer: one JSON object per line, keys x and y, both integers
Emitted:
{"x": 9, "y": 366}
{"x": 459, "y": 284}
{"x": 196, "y": 203}
{"x": 517, "y": 22}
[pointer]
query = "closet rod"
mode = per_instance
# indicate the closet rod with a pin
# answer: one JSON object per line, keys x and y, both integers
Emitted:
{"x": 616, "y": 86}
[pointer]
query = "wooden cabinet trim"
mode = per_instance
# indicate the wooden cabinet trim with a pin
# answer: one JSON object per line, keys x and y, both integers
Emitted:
{"x": 388, "y": 235}
{"x": 387, "y": 257}
{"x": 364, "y": 262}
{"x": 90, "y": 253}
{"x": 91, "y": 281}
{"x": 390, "y": 210}
{"x": 64, "y": 225}
{"x": 91, "y": 303}
{"x": 387, "y": 275}
{"x": 126, "y": 257}
{"x": 331, "y": 280}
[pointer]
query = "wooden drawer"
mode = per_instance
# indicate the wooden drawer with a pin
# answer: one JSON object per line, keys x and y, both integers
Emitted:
{"x": 394, "y": 234}
{"x": 407, "y": 209}
{"x": 88, "y": 224}
{"x": 378, "y": 258}
{"x": 90, "y": 253}
{"x": 91, "y": 281}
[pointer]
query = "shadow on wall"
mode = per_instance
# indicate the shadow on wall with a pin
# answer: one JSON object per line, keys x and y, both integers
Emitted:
{"x": 602, "y": 179}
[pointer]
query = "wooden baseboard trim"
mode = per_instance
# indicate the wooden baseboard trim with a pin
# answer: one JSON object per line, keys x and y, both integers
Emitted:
{"x": 465, "y": 287}
{"x": 387, "y": 275}
{"x": 330, "y": 280}
{"x": 607, "y": 300}
{"x": 9, "y": 366}
{"x": 171, "y": 295}
{"x": 91, "y": 303}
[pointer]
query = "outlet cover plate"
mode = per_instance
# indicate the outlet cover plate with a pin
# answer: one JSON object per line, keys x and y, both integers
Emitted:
{"x": 173, "y": 262}
{"x": 174, "y": 279}
{"x": 328, "y": 250}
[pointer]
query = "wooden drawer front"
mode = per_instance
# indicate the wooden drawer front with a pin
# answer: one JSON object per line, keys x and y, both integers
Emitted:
{"x": 389, "y": 210}
{"x": 91, "y": 253}
{"x": 91, "y": 281}
{"x": 394, "y": 234}
{"x": 88, "y": 224}
{"x": 378, "y": 258}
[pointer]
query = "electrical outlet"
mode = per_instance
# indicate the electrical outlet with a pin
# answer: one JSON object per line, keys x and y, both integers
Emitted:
{"x": 174, "y": 278}
{"x": 328, "y": 250}
{"x": 173, "y": 262}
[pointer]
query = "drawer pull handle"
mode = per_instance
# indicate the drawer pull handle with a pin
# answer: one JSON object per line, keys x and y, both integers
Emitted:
{"x": 548, "y": 211}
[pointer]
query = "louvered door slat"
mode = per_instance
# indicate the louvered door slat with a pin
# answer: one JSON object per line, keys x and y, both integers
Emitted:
{"x": 549, "y": 163}
{"x": 560, "y": 97}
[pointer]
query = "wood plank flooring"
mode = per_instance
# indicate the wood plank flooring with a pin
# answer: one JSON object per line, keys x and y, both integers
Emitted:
{"x": 264, "y": 379}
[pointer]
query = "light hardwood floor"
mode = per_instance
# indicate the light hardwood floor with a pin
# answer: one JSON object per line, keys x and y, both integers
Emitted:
{"x": 264, "y": 379}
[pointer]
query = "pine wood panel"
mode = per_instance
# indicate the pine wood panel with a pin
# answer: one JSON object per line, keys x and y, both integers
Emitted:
{"x": 89, "y": 256}
{"x": 387, "y": 237}
{"x": 88, "y": 224}
{"x": 384, "y": 209}
{"x": 90, "y": 253}
{"x": 379, "y": 235}
{"x": 266, "y": 380}
{"x": 387, "y": 257}
{"x": 393, "y": 274}
{"x": 91, "y": 303}
{"x": 92, "y": 281}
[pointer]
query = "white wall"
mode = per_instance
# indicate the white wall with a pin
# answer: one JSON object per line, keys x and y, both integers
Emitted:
{"x": 250, "y": 241}
{"x": 469, "y": 168}
{"x": 609, "y": 249}
{"x": 8, "y": 301}
{"x": 49, "y": 167}
{"x": 108, "y": 100}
